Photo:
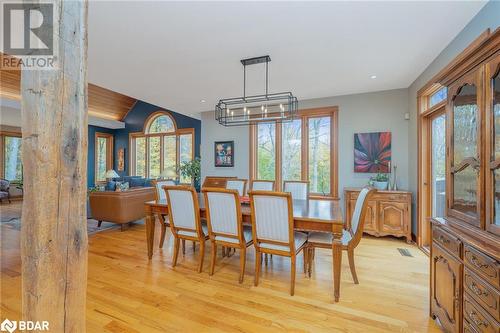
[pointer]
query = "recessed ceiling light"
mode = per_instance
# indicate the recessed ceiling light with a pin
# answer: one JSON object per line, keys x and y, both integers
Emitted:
{"x": 202, "y": 101}
{"x": 373, "y": 77}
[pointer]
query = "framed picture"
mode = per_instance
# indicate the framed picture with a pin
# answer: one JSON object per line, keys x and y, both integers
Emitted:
{"x": 224, "y": 153}
{"x": 121, "y": 159}
{"x": 372, "y": 152}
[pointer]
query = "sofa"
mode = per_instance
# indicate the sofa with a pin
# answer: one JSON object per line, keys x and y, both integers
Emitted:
{"x": 133, "y": 181}
{"x": 120, "y": 207}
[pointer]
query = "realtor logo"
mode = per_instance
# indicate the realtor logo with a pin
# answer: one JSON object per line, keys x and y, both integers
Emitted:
{"x": 8, "y": 326}
{"x": 28, "y": 35}
{"x": 28, "y": 28}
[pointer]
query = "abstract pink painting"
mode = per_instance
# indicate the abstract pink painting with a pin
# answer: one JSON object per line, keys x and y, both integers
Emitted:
{"x": 372, "y": 152}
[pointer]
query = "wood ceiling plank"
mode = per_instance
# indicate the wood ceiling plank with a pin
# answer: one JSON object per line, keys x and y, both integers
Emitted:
{"x": 103, "y": 103}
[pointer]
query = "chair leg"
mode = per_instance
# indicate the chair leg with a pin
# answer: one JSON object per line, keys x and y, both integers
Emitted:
{"x": 183, "y": 246}
{"x": 194, "y": 246}
{"x": 162, "y": 234}
{"x": 292, "y": 280}
{"x": 242, "y": 263}
{"x": 202, "y": 256}
{"x": 265, "y": 258}
{"x": 350, "y": 255}
{"x": 304, "y": 254}
{"x": 176, "y": 251}
{"x": 212, "y": 258}
{"x": 99, "y": 224}
{"x": 257, "y": 267}
{"x": 310, "y": 260}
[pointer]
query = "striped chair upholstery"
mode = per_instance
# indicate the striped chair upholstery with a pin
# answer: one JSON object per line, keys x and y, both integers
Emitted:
{"x": 185, "y": 220}
{"x": 224, "y": 224}
{"x": 237, "y": 184}
{"x": 160, "y": 193}
{"x": 299, "y": 190}
{"x": 273, "y": 233}
{"x": 262, "y": 185}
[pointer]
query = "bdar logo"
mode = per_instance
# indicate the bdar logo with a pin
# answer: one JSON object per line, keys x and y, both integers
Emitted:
{"x": 9, "y": 326}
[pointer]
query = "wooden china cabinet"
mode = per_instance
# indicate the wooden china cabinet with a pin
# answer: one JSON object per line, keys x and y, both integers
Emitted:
{"x": 465, "y": 250}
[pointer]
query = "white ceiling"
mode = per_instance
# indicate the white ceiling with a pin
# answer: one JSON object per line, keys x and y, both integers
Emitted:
{"x": 173, "y": 54}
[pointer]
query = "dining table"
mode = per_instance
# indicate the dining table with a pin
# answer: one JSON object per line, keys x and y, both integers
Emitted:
{"x": 308, "y": 215}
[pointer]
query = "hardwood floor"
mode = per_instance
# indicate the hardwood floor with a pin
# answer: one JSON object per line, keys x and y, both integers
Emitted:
{"x": 128, "y": 293}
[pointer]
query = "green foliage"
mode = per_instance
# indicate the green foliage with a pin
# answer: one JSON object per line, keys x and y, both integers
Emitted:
{"x": 191, "y": 169}
{"x": 380, "y": 177}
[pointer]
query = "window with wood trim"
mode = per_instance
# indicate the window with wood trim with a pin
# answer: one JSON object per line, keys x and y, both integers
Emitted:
{"x": 103, "y": 155}
{"x": 161, "y": 148}
{"x": 10, "y": 156}
{"x": 302, "y": 149}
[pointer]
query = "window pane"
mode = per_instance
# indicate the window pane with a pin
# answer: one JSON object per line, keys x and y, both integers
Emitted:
{"x": 169, "y": 153}
{"x": 319, "y": 155}
{"x": 438, "y": 96}
{"x": 161, "y": 124}
{"x": 101, "y": 163}
{"x": 266, "y": 151}
{"x": 438, "y": 165}
{"x": 186, "y": 153}
{"x": 154, "y": 157}
{"x": 291, "y": 150}
{"x": 140, "y": 157}
{"x": 13, "y": 166}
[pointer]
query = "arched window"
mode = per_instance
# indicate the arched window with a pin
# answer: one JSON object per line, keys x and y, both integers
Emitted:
{"x": 160, "y": 123}
{"x": 158, "y": 151}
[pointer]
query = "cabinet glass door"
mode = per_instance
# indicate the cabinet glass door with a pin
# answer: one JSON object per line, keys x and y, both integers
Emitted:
{"x": 465, "y": 168}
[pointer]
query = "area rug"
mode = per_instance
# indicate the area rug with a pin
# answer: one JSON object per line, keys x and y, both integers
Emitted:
{"x": 91, "y": 225}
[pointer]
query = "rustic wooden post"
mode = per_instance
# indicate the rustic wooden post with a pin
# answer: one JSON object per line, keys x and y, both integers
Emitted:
{"x": 54, "y": 126}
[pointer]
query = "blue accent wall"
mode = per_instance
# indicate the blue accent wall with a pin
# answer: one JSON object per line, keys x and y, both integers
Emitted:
{"x": 134, "y": 122}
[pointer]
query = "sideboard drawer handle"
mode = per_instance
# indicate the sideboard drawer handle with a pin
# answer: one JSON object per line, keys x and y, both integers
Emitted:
{"x": 444, "y": 240}
{"x": 476, "y": 320}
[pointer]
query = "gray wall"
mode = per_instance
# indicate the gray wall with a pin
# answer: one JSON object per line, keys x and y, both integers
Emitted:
{"x": 371, "y": 112}
{"x": 488, "y": 17}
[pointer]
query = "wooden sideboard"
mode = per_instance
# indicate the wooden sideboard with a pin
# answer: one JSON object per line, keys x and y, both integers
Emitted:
{"x": 465, "y": 280}
{"x": 388, "y": 212}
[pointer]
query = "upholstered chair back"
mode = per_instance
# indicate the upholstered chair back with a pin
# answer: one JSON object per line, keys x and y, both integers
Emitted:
{"x": 299, "y": 190}
{"x": 158, "y": 184}
{"x": 358, "y": 216}
{"x": 222, "y": 208}
{"x": 182, "y": 206}
{"x": 237, "y": 184}
{"x": 272, "y": 216}
{"x": 262, "y": 185}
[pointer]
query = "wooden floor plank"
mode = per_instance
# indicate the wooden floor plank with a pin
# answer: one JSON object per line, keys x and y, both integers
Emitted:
{"x": 128, "y": 294}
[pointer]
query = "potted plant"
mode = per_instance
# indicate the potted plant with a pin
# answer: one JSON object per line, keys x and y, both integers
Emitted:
{"x": 191, "y": 169}
{"x": 380, "y": 181}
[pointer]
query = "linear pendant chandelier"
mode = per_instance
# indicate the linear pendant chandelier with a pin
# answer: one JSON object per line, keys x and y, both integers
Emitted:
{"x": 276, "y": 107}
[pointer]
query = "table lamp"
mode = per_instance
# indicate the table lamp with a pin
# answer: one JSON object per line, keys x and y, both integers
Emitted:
{"x": 110, "y": 174}
{"x": 168, "y": 174}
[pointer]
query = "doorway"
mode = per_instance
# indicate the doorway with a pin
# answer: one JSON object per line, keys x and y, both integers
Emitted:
{"x": 432, "y": 170}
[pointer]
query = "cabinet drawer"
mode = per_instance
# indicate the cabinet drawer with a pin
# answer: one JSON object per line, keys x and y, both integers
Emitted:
{"x": 483, "y": 294}
{"x": 478, "y": 318}
{"x": 486, "y": 267}
{"x": 446, "y": 240}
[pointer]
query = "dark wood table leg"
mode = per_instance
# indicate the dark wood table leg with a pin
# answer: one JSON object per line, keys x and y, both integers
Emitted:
{"x": 150, "y": 230}
{"x": 337, "y": 261}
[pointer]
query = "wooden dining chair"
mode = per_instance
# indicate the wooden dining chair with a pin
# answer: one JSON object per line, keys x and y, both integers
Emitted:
{"x": 262, "y": 185}
{"x": 225, "y": 225}
{"x": 161, "y": 195}
{"x": 185, "y": 222}
{"x": 237, "y": 184}
{"x": 273, "y": 229}
{"x": 350, "y": 237}
{"x": 299, "y": 189}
